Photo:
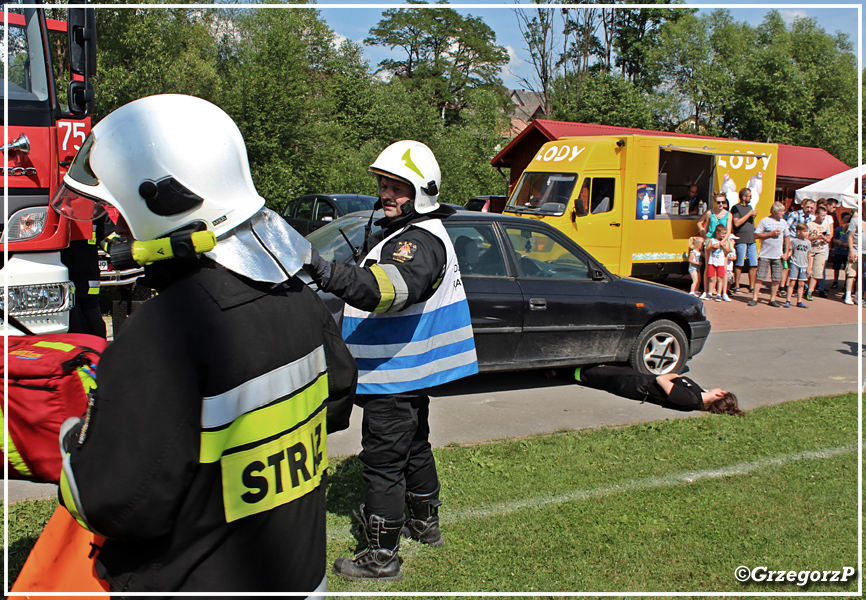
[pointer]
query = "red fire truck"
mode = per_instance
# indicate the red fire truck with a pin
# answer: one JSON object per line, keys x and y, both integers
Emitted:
{"x": 41, "y": 138}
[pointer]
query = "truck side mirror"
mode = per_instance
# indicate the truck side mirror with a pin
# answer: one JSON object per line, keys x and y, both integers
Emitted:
{"x": 81, "y": 33}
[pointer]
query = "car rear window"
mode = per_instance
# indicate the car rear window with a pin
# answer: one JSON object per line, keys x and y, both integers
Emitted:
{"x": 350, "y": 205}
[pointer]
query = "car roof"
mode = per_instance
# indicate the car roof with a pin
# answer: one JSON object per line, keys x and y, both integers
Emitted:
{"x": 335, "y": 196}
{"x": 469, "y": 215}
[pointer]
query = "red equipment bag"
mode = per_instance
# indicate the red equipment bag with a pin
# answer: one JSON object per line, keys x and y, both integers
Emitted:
{"x": 50, "y": 377}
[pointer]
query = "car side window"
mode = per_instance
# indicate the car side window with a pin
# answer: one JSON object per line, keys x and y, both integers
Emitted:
{"x": 305, "y": 208}
{"x": 291, "y": 207}
{"x": 477, "y": 248}
{"x": 324, "y": 210}
{"x": 540, "y": 255}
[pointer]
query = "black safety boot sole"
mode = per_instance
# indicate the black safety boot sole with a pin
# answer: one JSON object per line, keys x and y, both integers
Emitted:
{"x": 346, "y": 567}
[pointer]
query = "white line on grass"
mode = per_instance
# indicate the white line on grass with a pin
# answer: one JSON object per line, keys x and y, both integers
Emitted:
{"x": 687, "y": 478}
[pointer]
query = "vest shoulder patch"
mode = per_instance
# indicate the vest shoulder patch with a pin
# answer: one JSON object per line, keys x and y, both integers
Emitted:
{"x": 405, "y": 251}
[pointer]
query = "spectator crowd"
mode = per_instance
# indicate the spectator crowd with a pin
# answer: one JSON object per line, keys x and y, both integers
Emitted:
{"x": 789, "y": 252}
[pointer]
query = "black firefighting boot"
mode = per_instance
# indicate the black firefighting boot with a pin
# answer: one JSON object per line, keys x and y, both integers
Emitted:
{"x": 423, "y": 522}
{"x": 379, "y": 560}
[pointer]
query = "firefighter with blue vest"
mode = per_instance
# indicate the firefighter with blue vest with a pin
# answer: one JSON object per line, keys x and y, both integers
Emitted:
{"x": 407, "y": 324}
{"x": 202, "y": 457}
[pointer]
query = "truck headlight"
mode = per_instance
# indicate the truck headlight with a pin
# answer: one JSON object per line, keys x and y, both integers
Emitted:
{"x": 25, "y": 224}
{"x": 33, "y": 300}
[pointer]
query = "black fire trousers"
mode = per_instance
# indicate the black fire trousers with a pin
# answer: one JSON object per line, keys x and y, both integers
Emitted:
{"x": 396, "y": 456}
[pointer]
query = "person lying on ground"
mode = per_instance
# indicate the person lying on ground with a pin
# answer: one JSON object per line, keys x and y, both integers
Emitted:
{"x": 669, "y": 390}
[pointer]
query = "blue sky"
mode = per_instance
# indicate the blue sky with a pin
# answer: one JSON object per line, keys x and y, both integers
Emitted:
{"x": 355, "y": 23}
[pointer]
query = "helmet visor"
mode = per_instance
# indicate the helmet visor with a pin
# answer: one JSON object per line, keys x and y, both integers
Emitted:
{"x": 76, "y": 206}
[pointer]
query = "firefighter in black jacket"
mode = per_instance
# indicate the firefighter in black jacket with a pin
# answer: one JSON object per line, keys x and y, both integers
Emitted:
{"x": 407, "y": 323}
{"x": 202, "y": 458}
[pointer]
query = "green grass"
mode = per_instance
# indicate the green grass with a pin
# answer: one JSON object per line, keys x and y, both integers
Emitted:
{"x": 657, "y": 507}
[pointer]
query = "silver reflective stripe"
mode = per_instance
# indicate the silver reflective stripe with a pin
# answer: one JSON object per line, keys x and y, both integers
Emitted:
{"x": 412, "y": 348}
{"x": 66, "y": 465}
{"x": 282, "y": 382}
{"x": 401, "y": 290}
{"x": 418, "y": 371}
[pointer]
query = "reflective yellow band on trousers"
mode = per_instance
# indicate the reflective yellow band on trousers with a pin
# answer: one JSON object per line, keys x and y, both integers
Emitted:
{"x": 264, "y": 422}
{"x": 276, "y": 473}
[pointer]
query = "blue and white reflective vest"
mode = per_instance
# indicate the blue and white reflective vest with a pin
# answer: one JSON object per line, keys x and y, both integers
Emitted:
{"x": 424, "y": 345}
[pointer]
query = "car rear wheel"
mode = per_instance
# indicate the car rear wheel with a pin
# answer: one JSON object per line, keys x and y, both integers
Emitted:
{"x": 661, "y": 348}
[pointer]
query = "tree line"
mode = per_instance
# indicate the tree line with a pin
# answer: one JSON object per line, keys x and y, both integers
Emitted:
{"x": 675, "y": 69}
{"x": 315, "y": 114}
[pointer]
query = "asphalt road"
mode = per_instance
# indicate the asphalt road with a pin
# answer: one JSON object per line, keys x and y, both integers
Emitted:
{"x": 761, "y": 366}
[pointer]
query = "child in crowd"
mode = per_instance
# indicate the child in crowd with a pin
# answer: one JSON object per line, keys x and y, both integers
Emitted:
{"x": 716, "y": 261}
{"x": 799, "y": 265}
{"x": 696, "y": 244}
{"x": 730, "y": 247}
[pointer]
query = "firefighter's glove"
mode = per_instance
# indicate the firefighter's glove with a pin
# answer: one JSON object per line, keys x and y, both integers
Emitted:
{"x": 317, "y": 267}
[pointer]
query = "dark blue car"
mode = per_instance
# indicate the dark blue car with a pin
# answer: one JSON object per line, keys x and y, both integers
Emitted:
{"x": 538, "y": 300}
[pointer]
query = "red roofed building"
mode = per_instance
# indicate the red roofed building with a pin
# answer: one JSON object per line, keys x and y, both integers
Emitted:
{"x": 797, "y": 166}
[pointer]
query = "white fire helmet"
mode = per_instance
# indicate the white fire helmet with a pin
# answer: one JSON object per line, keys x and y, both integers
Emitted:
{"x": 164, "y": 162}
{"x": 414, "y": 163}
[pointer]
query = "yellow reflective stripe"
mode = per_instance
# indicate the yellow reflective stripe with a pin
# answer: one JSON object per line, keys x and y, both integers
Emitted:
{"x": 276, "y": 473}
{"x": 12, "y": 454}
{"x": 69, "y": 500}
{"x": 264, "y": 422}
{"x": 55, "y": 346}
{"x": 386, "y": 289}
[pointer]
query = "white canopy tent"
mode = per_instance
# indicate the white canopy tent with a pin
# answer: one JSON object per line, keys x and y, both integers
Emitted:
{"x": 840, "y": 186}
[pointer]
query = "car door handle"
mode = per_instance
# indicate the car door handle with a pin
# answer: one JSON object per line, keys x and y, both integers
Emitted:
{"x": 615, "y": 224}
{"x": 537, "y": 304}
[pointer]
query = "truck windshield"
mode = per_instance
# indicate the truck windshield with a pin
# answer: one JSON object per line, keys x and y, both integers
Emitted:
{"x": 536, "y": 189}
{"x": 25, "y": 55}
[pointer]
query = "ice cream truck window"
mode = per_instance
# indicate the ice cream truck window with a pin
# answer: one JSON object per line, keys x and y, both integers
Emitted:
{"x": 535, "y": 189}
{"x": 685, "y": 181}
{"x": 596, "y": 196}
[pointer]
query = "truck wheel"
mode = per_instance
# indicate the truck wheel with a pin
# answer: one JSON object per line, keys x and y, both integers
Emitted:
{"x": 661, "y": 348}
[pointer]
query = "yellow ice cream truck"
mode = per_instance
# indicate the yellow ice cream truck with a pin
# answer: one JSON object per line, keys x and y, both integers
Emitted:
{"x": 626, "y": 199}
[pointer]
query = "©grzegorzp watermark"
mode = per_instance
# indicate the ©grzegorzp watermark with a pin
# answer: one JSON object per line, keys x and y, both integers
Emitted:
{"x": 801, "y": 578}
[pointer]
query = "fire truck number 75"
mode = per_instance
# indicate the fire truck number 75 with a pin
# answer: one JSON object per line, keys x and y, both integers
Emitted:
{"x": 74, "y": 130}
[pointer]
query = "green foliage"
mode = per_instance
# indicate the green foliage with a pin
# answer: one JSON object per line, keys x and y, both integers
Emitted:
{"x": 312, "y": 114}
{"x": 785, "y": 84}
{"x": 637, "y": 35}
{"x": 277, "y": 76}
{"x": 446, "y": 54}
{"x": 606, "y": 99}
{"x": 154, "y": 51}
